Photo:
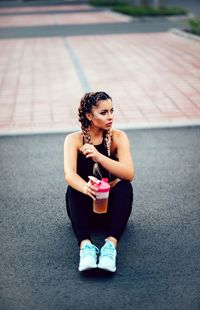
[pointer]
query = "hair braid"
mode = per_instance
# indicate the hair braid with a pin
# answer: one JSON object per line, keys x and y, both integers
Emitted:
{"x": 85, "y": 107}
{"x": 108, "y": 140}
{"x": 86, "y": 135}
{"x": 88, "y": 101}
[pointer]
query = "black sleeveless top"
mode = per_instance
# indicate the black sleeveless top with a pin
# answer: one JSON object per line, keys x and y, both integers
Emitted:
{"x": 85, "y": 165}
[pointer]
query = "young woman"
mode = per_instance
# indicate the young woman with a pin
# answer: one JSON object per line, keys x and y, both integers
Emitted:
{"x": 104, "y": 153}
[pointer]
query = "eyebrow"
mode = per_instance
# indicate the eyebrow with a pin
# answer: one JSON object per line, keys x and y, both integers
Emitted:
{"x": 105, "y": 110}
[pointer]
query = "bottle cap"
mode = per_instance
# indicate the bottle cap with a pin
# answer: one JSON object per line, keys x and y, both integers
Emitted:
{"x": 103, "y": 186}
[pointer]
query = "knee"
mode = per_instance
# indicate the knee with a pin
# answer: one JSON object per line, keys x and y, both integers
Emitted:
{"x": 123, "y": 193}
{"x": 125, "y": 187}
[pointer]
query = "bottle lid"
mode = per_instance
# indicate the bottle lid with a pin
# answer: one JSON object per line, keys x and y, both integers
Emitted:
{"x": 103, "y": 186}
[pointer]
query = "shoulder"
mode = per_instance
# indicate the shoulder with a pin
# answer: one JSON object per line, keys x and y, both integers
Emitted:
{"x": 119, "y": 135}
{"x": 119, "y": 140}
{"x": 74, "y": 139}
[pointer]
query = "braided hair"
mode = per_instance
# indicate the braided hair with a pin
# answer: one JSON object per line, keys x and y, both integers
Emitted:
{"x": 88, "y": 101}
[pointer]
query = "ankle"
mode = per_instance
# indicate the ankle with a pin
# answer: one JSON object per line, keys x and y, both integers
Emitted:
{"x": 113, "y": 240}
{"x": 83, "y": 243}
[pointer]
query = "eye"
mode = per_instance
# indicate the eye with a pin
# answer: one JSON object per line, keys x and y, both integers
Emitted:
{"x": 106, "y": 112}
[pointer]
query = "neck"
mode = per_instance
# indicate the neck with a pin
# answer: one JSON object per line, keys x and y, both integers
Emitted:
{"x": 96, "y": 132}
{"x": 96, "y": 135}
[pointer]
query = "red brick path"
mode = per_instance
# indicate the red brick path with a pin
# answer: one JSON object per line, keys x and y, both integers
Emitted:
{"x": 154, "y": 79}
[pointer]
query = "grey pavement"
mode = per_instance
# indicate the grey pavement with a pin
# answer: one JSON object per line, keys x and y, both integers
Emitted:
{"x": 137, "y": 26}
{"x": 158, "y": 256}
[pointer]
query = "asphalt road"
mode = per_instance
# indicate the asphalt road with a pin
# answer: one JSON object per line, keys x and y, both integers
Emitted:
{"x": 137, "y": 26}
{"x": 158, "y": 256}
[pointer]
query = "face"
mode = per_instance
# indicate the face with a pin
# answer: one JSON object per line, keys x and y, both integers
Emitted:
{"x": 101, "y": 115}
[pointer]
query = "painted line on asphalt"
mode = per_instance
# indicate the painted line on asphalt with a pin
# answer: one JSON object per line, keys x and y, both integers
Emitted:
{"x": 79, "y": 70}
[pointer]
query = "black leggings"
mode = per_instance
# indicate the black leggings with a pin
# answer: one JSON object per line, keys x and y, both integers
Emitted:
{"x": 79, "y": 209}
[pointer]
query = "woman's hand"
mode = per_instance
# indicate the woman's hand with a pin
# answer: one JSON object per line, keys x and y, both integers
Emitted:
{"x": 90, "y": 189}
{"x": 90, "y": 151}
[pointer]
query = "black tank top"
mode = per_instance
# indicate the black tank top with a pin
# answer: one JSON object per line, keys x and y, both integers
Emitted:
{"x": 85, "y": 165}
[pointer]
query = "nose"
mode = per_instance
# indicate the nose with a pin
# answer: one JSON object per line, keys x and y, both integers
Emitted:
{"x": 110, "y": 116}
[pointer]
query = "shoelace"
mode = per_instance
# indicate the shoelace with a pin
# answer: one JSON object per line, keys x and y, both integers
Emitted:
{"x": 89, "y": 249}
{"x": 108, "y": 250}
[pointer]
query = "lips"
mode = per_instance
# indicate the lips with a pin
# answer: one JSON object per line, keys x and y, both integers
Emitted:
{"x": 109, "y": 124}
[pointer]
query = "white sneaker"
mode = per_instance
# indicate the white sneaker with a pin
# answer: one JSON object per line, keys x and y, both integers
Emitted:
{"x": 88, "y": 257}
{"x": 107, "y": 258}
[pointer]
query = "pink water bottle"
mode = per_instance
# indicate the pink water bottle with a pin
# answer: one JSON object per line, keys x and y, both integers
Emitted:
{"x": 100, "y": 205}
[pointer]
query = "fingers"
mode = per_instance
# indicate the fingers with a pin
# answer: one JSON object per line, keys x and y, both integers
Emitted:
{"x": 93, "y": 197}
{"x": 90, "y": 190}
{"x": 85, "y": 147}
{"x": 88, "y": 150}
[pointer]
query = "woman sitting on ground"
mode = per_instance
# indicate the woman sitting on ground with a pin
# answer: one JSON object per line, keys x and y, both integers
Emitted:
{"x": 100, "y": 151}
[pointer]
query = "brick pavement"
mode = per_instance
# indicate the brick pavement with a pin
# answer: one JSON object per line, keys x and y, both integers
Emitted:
{"x": 154, "y": 79}
{"x": 43, "y": 8}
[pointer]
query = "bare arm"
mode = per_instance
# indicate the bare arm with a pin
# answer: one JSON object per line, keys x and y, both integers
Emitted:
{"x": 71, "y": 146}
{"x": 123, "y": 168}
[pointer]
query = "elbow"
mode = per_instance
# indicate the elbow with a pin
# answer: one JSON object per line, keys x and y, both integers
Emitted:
{"x": 69, "y": 175}
{"x": 66, "y": 176}
{"x": 127, "y": 174}
{"x": 130, "y": 176}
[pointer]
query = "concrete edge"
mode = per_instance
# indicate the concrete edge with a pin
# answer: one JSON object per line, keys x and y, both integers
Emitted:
{"x": 120, "y": 126}
{"x": 189, "y": 15}
{"x": 184, "y": 34}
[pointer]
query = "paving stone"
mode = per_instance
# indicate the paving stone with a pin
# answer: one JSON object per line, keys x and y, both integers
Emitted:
{"x": 153, "y": 78}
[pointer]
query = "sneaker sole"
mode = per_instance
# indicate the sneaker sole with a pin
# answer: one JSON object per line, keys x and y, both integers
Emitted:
{"x": 106, "y": 268}
{"x": 86, "y": 267}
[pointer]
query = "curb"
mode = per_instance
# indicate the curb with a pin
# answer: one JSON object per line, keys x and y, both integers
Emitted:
{"x": 147, "y": 18}
{"x": 184, "y": 34}
{"x": 165, "y": 17}
{"x": 164, "y": 125}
